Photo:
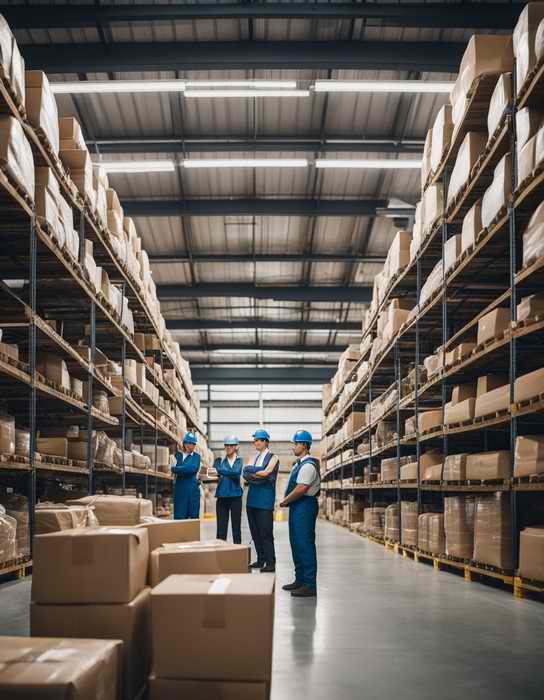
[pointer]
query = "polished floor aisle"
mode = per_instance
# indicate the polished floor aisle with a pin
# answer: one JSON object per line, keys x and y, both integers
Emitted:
{"x": 384, "y": 627}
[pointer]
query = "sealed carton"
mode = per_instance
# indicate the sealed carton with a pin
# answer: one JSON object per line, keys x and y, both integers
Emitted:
{"x": 489, "y": 465}
{"x": 529, "y": 386}
{"x": 471, "y": 148}
{"x": 459, "y": 526}
{"x": 529, "y": 455}
{"x": 463, "y": 350}
{"x": 433, "y": 473}
{"x": 408, "y": 472}
{"x": 72, "y": 669}
{"x": 398, "y": 256}
{"x": 499, "y": 191}
{"x": 530, "y": 307}
{"x": 71, "y": 136}
{"x": 131, "y": 623}
{"x": 488, "y": 382}
{"x": 163, "y": 689}
{"x": 56, "y": 446}
{"x": 433, "y": 206}
{"x": 99, "y": 565}
{"x": 171, "y": 531}
{"x": 493, "y": 325}
{"x": 427, "y": 420}
{"x": 55, "y": 369}
{"x": 16, "y": 154}
{"x": 472, "y": 225}
{"x": 531, "y": 553}
{"x": 54, "y": 517}
{"x": 493, "y": 401}
{"x": 80, "y": 166}
{"x": 524, "y": 40}
{"x": 500, "y": 101}
{"x": 196, "y": 620}
{"x": 116, "y": 510}
{"x": 493, "y": 531}
{"x": 212, "y": 557}
{"x": 441, "y": 135}
{"x": 41, "y": 106}
{"x": 460, "y": 411}
{"x": 455, "y": 467}
{"x": 461, "y": 392}
{"x": 533, "y": 237}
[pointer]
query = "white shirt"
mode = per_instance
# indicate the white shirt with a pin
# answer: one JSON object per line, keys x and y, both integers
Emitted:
{"x": 231, "y": 460}
{"x": 309, "y": 476}
{"x": 260, "y": 457}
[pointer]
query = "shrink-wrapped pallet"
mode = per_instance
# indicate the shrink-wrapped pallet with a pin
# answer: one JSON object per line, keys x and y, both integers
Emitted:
{"x": 529, "y": 455}
{"x": 528, "y": 122}
{"x": 22, "y": 442}
{"x": 500, "y": 101}
{"x": 524, "y": 40}
{"x": 423, "y": 532}
{"x": 459, "y": 412}
{"x": 16, "y": 507}
{"x": 432, "y": 283}
{"x": 391, "y": 529}
{"x": 433, "y": 206}
{"x": 13, "y": 66}
{"x": 531, "y": 553}
{"x": 16, "y": 154}
{"x": 7, "y": 434}
{"x": 493, "y": 531}
{"x": 436, "y": 538}
{"x": 41, "y": 106}
{"x": 526, "y": 159}
{"x": 459, "y": 526}
{"x": 533, "y": 237}
{"x": 488, "y": 465}
{"x": 8, "y": 533}
{"x": 455, "y": 467}
{"x": 408, "y": 520}
{"x": 441, "y": 135}
{"x": 499, "y": 191}
{"x": 452, "y": 250}
{"x": 471, "y": 148}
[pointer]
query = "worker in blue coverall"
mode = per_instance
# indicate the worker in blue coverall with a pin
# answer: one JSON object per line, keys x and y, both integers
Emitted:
{"x": 301, "y": 499}
{"x": 229, "y": 491}
{"x": 187, "y": 488}
{"x": 261, "y": 475}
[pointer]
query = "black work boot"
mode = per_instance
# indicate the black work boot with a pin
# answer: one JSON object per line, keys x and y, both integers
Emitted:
{"x": 292, "y": 586}
{"x": 257, "y": 565}
{"x": 304, "y": 592}
{"x": 268, "y": 569}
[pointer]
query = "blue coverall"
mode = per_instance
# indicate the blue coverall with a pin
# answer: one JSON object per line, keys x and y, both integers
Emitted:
{"x": 302, "y": 518}
{"x": 261, "y": 500}
{"x": 187, "y": 489}
{"x": 229, "y": 499}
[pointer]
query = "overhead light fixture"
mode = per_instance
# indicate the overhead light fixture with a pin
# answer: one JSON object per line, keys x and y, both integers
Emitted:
{"x": 138, "y": 166}
{"x": 369, "y": 163}
{"x": 246, "y": 93}
{"x": 271, "y": 84}
{"x": 117, "y": 86}
{"x": 246, "y": 163}
{"x": 413, "y": 86}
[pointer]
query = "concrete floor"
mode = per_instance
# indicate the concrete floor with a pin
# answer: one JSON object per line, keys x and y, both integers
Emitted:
{"x": 384, "y": 627}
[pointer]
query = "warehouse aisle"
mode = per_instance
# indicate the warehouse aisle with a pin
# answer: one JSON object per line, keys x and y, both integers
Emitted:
{"x": 384, "y": 627}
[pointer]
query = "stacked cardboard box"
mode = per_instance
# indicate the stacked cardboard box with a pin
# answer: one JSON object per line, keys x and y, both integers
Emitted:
{"x": 459, "y": 526}
{"x": 493, "y": 531}
{"x": 529, "y": 455}
{"x": 391, "y": 530}
{"x": 41, "y": 107}
{"x": 101, "y": 594}
{"x": 16, "y": 154}
{"x": 112, "y": 511}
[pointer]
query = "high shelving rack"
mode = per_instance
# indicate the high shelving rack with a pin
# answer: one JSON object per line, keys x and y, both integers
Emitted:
{"x": 484, "y": 277}
{"x": 40, "y": 283}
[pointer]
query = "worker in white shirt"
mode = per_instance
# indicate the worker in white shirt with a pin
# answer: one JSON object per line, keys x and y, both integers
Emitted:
{"x": 301, "y": 499}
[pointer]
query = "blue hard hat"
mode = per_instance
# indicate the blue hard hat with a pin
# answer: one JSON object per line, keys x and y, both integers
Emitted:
{"x": 261, "y": 434}
{"x": 303, "y": 436}
{"x": 231, "y": 440}
{"x": 190, "y": 438}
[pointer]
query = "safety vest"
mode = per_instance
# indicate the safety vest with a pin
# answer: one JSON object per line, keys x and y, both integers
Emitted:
{"x": 262, "y": 493}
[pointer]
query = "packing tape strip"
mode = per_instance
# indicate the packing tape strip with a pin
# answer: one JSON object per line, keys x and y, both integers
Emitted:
{"x": 215, "y": 604}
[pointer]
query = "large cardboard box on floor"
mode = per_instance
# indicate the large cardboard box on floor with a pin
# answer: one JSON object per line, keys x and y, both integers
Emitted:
{"x": 171, "y": 531}
{"x": 131, "y": 623}
{"x": 213, "y": 627}
{"x": 531, "y": 553}
{"x": 163, "y": 689}
{"x": 213, "y": 557}
{"x": 116, "y": 510}
{"x": 90, "y": 565}
{"x": 59, "y": 669}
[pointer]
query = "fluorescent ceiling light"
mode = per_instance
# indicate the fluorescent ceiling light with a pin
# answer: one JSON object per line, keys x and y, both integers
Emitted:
{"x": 247, "y": 93}
{"x": 379, "y": 163}
{"x": 114, "y": 86}
{"x": 246, "y": 163}
{"x": 138, "y": 166}
{"x": 272, "y": 84}
{"x": 382, "y": 86}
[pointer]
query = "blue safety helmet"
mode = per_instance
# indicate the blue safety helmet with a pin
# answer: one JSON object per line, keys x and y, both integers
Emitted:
{"x": 190, "y": 438}
{"x": 303, "y": 436}
{"x": 261, "y": 434}
{"x": 231, "y": 440}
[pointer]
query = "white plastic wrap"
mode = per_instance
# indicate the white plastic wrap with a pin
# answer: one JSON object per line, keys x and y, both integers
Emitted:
{"x": 473, "y": 145}
{"x": 16, "y": 154}
{"x": 526, "y": 159}
{"x": 426, "y": 162}
{"x": 432, "y": 283}
{"x": 539, "y": 41}
{"x": 472, "y": 225}
{"x": 41, "y": 106}
{"x": 8, "y": 529}
{"x": 433, "y": 206}
{"x": 452, "y": 250}
{"x": 524, "y": 40}
{"x": 528, "y": 122}
{"x": 441, "y": 135}
{"x": 533, "y": 237}
{"x": 497, "y": 194}
{"x": 12, "y": 64}
{"x": 500, "y": 100}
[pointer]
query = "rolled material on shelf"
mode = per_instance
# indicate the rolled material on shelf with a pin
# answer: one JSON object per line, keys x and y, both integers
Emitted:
{"x": 459, "y": 526}
{"x": 493, "y": 531}
{"x": 408, "y": 510}
{"x": 529, "y": 455}
{"x": 500, "y": 101}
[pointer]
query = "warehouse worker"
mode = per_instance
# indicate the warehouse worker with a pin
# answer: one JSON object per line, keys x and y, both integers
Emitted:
{"x": 229, "y": 491}
{"x": 301, "y": 499}
{"x": 187, "y": 488}
{"x": 261, "y": 476}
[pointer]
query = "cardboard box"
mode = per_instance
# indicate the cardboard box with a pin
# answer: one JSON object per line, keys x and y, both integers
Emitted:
{"x": 55, "y": 369}
{"x": 533, "y": 237}
{"x": 529, "y": 455}
{"x": 70, "y": 134}
{"x": 498, "y": 193}
{"x": 459, "y": 526}
{"x": 493, "y": 401}
{"x": 196, "y": 620}
{"x": 171, "y": 531}
{"x": 56, "y": 446}
{"x": 212, "y": 557}
{"x": 162, "y": 689}
{"x": 489, "y": 382}
{"x": 427, "y": 420}
{"x": 59, "y": 517}
{"x": 462, "y": 392}
{"x": 433, "y": 206}
{"x": 131, "y": 623}
{"x": 436, "y": 540}
{"x": 41, "y": 106}
{"x": 530, "y": 306}
{"x": 409, "y": 471}
{"x": 16, "y": 154}
{"x": 500, "y": 100}
{"x": 71, "y": 669}
{"x": 11, "y": 61}
{"x": 7, "y": 434}
{"x": 441, "y": 137}
{"x": 460, "y": 411}
{"x": 526, "y": 159}
{"x": 452, "y": 250}
{"x": 531, "y": 553}
{"x": 116, "y": 510}
{"x": 472, "y": 146}
{"x": 98, "y": 565}
{"x": 493, "y": 325}
{"x": 398, "y": 256}
{"x": 433, "y": 473}
{"x": 489, "y": 465}
{"x": 472, "y": 225}
{"x": 9, "y": 350}
{"x": 426, "y": 161}
{"x": 529, "y": 385}
{"x": 78, "y": 163}
{"x": 524, "y": 40}
{"x": 77, "y": 450}
{"x": 455, "y": 467}
{"x": 493, "y": 531}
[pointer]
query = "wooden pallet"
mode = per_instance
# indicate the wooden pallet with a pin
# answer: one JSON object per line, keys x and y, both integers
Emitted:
{"x": 19, "y": 566}
{"x": 530, "y": 479}
{"x": 491, "y": 416}
{"x": 531, "y": 321}
{"x": 520, "y": 405}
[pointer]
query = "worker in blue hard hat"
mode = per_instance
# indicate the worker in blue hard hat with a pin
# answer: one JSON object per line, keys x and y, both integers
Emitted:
{"x": 187, "y": 487}
{"x": 229, "y": 491}
{"x": 301, "y": 499}
{"x": 261, "y": 475}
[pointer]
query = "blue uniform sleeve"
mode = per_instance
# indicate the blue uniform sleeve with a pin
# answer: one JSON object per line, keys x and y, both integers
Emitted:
{"x": 189, "y": 468}
{"x": 227, "y": 471}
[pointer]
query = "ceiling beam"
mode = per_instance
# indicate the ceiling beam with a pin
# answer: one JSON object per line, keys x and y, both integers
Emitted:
{"x": 110, "y": 145}
{"x": 428, "y": 56}
{"x": 205, "y": 324}
{"x": 252, "y": 348}
{"x": 467, "y": 14}
{"x": 158, "y": 259}
{"x": 261, "y": 207}
{"x": 261, "y": 375}
{"x": 232, "y": 290}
